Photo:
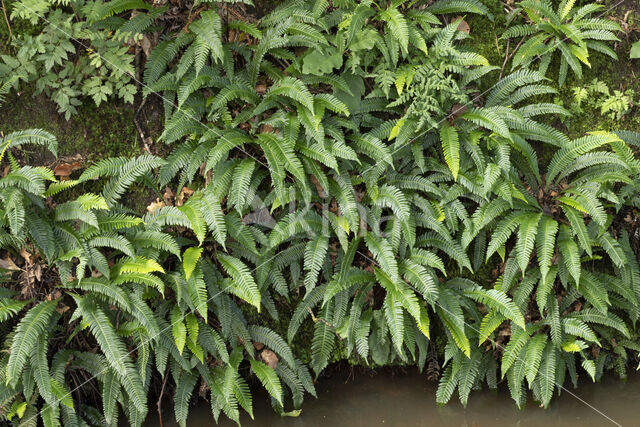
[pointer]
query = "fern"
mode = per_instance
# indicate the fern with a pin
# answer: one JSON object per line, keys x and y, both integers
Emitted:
{"x": 569, "y": 32}
{"x": 268, "y": 378}
{"x": 26, "y": 338}
{"x": 451, "y": 149}
{"x": 114, "y": 351}
{"x": 243, "y": 283}
{"x": 334, "y": 173}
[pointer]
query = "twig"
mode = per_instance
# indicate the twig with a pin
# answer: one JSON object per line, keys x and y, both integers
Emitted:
{"x": 326, "y": 322}
{"x": 140, "y": 132}
{"x": 495, "y": 36}
{"x": 4, "y": 11}
{"x": 508, "y": 55}
{"x": 190, "y": 18}
{"x": 506, "y": 58}
{"x": 159, "y": 404}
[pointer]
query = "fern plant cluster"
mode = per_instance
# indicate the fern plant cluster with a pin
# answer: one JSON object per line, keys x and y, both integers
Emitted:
{"x": 350, "y": 183}
{"x": 567, "y": 31}
{"x": 597, "y": 95}
{"x": 78, "y": 49}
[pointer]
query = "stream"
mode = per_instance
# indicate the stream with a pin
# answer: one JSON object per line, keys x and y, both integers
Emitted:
{"x": 387, "y": 399}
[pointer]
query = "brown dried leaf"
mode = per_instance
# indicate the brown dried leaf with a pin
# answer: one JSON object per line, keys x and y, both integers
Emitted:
{"x": 8, "y": 264}
{"x": 270, "y": 358}
{"x": 168, "y": 196}
{"x": 62, "y": 308}
{"x": 63, "y": 170}
{"x": 321, "y": 193}
{"x": 463, "y": 25}
{"x": 457, "y": 110}
{"x": 505, "y": 331}
{"x": 26, "y": 255}
{"x": 37, "y": 272}
{"x": 54, "y": 295}
{"x": 184, "y": 195}
{"x": 266, "y": 128}
{"x": 155, "y": 205}
{"x": 146, "y": 45}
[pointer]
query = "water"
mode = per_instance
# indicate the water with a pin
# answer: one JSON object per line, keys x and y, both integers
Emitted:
{"x": 386, "y": 399}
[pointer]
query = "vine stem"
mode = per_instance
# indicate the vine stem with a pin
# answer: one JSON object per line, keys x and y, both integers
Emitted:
{"x": 508, "y": 55}
{"x": 4, "y": 11}
{"x": 159, "y": 403}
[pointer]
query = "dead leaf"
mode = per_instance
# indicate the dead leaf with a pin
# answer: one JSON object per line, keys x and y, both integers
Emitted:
{"x": 8, "y": 264}
{"x": 363, "y": 226}
{"x": 208, "y": 175}
{"x": 146, "y": 45}
{"x": 457, "y": 110}
{"x": 63, "y": 170}
{"x": 258, "y": 345}
{"x": 203, "y": 390}
{"x": 321, "y": 193}
{"x": 270, "y": 358}
{"x": 463, "y": 25}
{"x": 153, "y": 206}
{"x": 168, "y": 196}
{"x": 62, "y": 308}
{"x": 184, "y": 195}
{"x": 54, "y": 295}
{"x": 505, "y": 332}
{"x": 261, "y": 89}
{"x": 26, "y": 255}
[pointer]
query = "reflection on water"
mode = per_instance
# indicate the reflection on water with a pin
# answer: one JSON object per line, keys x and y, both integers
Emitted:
{"x": 409, "y": 400}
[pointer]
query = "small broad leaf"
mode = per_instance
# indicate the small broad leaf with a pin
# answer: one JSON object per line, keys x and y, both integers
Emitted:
{"x": 320, "y": 63}
{"x": 635, "y": 50}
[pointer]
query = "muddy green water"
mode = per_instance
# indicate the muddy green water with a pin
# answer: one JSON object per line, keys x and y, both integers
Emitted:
{"x": 409, "y": 400}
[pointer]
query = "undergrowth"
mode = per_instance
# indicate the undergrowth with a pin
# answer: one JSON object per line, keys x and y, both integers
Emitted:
{"x": 345, "y": 181}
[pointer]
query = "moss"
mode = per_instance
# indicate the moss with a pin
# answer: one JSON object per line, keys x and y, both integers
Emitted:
{"x": 94, "y": 133}
{"x": 18, "y": 27}
{"x": 618, "y": 75}
{"x": 484, "y": 38}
